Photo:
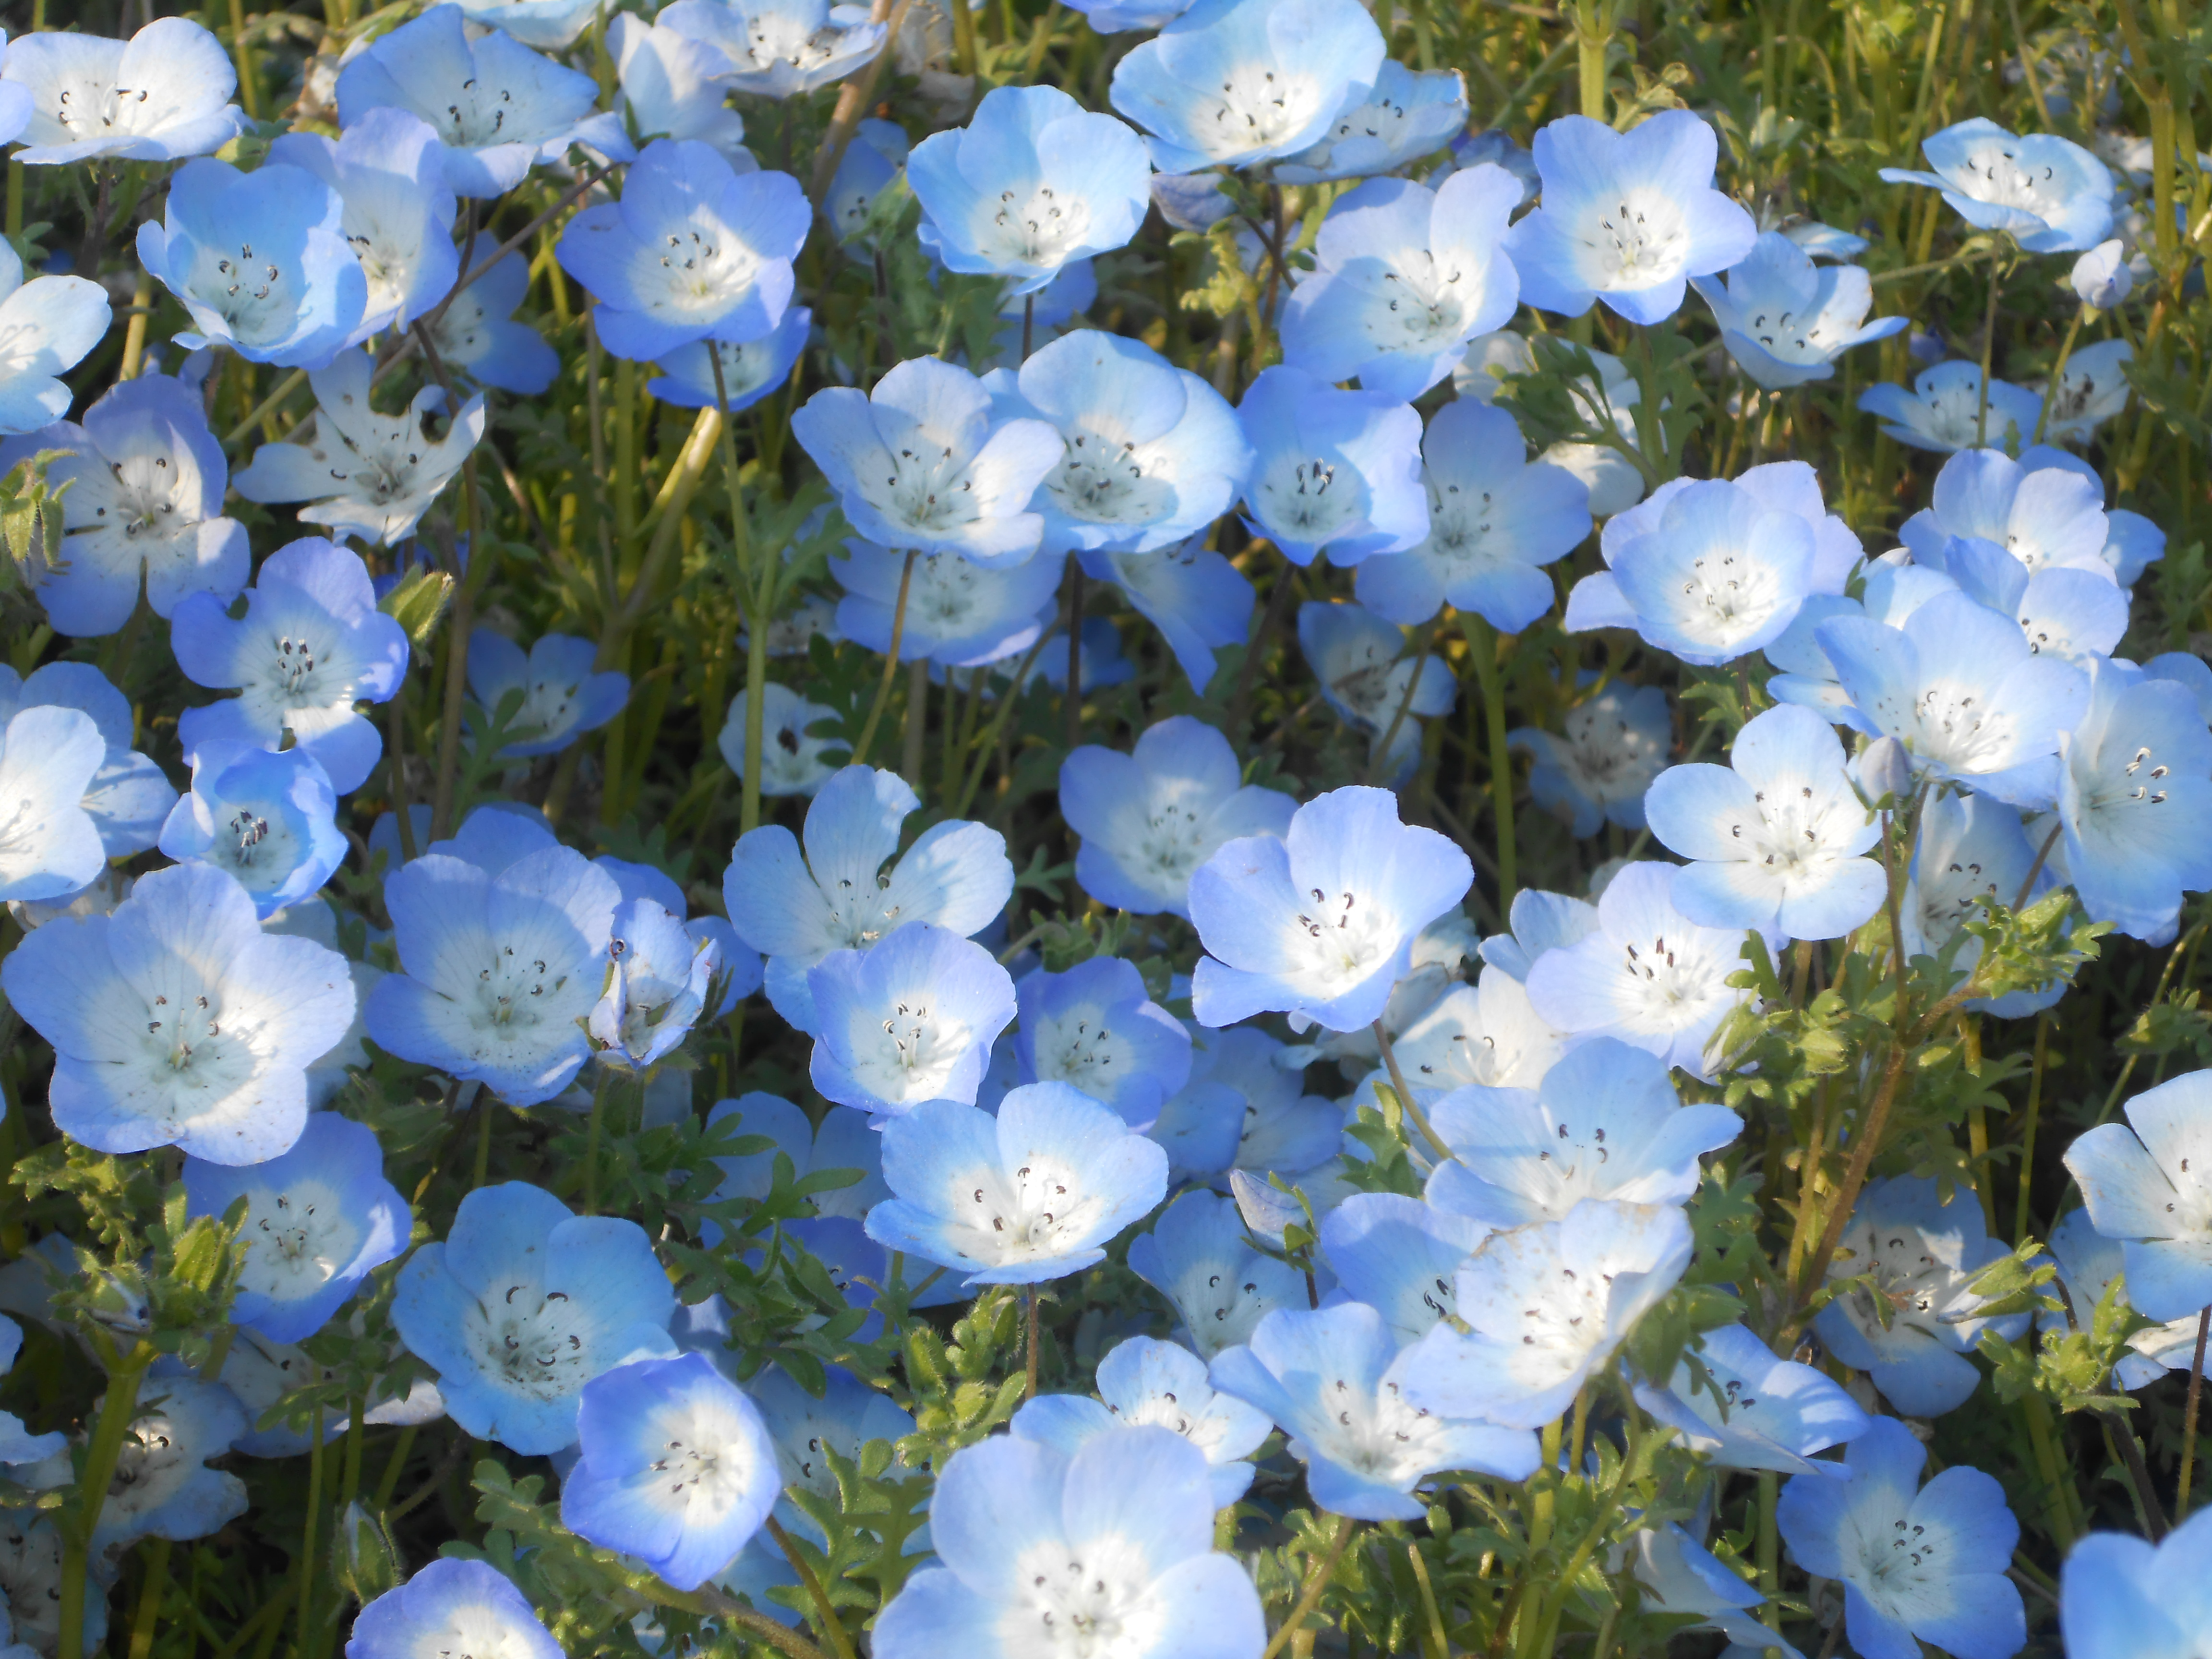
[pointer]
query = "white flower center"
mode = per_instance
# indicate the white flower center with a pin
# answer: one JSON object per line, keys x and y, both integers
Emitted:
{"x": 1102, "y": 480}
{"x": 1077, "y": 1048}
{"x": 1426, "y": 304}
{"x": 1029, "y": 1215}
{"x": 187, "y": 1059}
{"x": 705, "y": 1460}
{"x": 1376, "y": 1433}
{"x": 1957, "y": 730}
{"x": 94, "y": 108}
{"x": 1640, "y": 240}
{"x": 511, "y": 992}
{"x": 932, "y": 493}
{"x": 1460, "y": 527}
{"x": 252, "y": 293}
{"x": 1306, "y": 496}
{"x": 1258, "y": 106}
{"x": 914, "y": 1057}
{"x": 1040, "y": 229}
{"x": 703, "y": 270}
{"x": 1336, "y": 942}
{"x": 1670, "y": 980}
{"x": 1090, "y": 1600}
{"x": 775, "y": 37}
{"x": 534, "y": 1339}
{"x": 1992, "y": 172}
{"x": 296, "y": 1241}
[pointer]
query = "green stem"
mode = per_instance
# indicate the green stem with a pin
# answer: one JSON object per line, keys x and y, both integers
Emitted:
{"x": 832, "y": 1627}
{"x": 1406, "y": 1100}
{"x": 1316, "y": 1582}
{"x": 307, "y": 1531}
{"x": 891, "y": 666}
{"x": 1483, "y": 643}
{"x": 759, "y": 610}
{"x": 2057, "y": 373}
{"x": 591, "y": 1144}
{"x": 100, "y": 1455}
{"x": 1990, "y": 342}
{"x": 2189, "y": 1418}
{"x": 148, "y": 1618}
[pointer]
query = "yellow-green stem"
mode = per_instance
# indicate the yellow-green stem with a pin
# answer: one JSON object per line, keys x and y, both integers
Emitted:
{"x": 77, "y": 1528}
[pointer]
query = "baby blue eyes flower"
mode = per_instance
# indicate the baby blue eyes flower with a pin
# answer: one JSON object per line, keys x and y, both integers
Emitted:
{"x": 1398, "y": 1256}
{"x": 1604, "y": 1123}
{"x": 1495, "y": 521}
{"x": 1199, "y": 1258}
{"x": 2124, "y": 1598}
{"x": 1365, "y": 677}
{"x": 919, "y": 463}
{"x": 2049, "y": 195}
{"x": 1404, "y": 116}
{"x": 1330, "y": 1378}
{"x": 792, "y": 762}
{"x": 1339, "y": 470}
{"x": 1749, "y": 1410}
{"x": 907, "y": 1020}
{"x": 2046, "y": 517}
{"x": 1970, "y": 847}
{"x": 1785, "y": 320}
{"x": 1031, "y": 1195}
{"x": 477, "y": 338}
{"x": 1406, "y": 276}
{"x": 1320, "y": 924}
{"x": 1145, "y": 1383}
{"x": 318, "y": 1219}
{"x": 692, "y": 252}
{"x": 1151, "y": 453}
{"x": 144, "y": 506}
{"x": 160, "y": 96}
{"x": 674, "y": 86}
{"x": 677, "y": 1467}
{"x": 1915, "y": 1562}
{"x": 48, "y": 758}
{"x": 1681, "y": 1576}
{"x": 162, "y": 1486}
{"x": 1717, "y": 571}
{"x": 2135, "y": 773}
{"x": 781, "y": 48}
{"x": 1943, "y": 412}
{"x": 562, "y": 696}
{"x": 796, "y": 908}
{"x": 48, "y": 324}
{"x": 1149, "y": 818}
{"x": 260, "y": 262}
{"x": 1921, "y": 1257}
{"x": 1119, "y": 16}
{"x": 751, "y": 370}
{"x": 1033, "y": 1542}
{"x": 499, "y": 971}
{"x": 1627, "y": 218}
{"x": 1198, "y": 600}
{"x": 958, "y": 613}
{"x": 498, "y": 106}
{"x": 450, "y": 1607}
{"x": 657, "y": 984}
{"x": 1575, "y": 1286}
{"x": 2091, "y": 390}
{"x": 523, "y": 1304}
{"x": 311, "y": 644}
{"x": 548, "y": 25}
{"x": 388, "y": 169}
{"x": 268, "y": 818}
{"x": 2146, "y": 1186}
{"x": 19, "y": 1445}
{"x": 1235, "y": 82}
{"x": 1096, "y": 1028}
{"x": 1033, "y": 181}
{"x": 1594, "y": 770}
{"x": 2100, "y": 278}
{"x": 1777, "y": 837}
{"x": 176, "y": 1021}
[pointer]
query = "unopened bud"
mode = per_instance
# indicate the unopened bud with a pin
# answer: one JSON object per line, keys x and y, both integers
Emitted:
{"x": 2101, "y": 276}
{"x": 1886, "y": 770}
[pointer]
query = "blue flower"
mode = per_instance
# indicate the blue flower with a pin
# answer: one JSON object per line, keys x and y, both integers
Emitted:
{"x": 1681, "y": 1576}
{"x": 1198, "y": 1256}
{"x": 176, "y": 1021}
{"x": 1733, "y": 1401}
{"x": 49, "y": 323}
{"x": 843, "y": 1141}
{"x": 1404, "y": 116}
{"x": 795, "y": 909}
{"x": 318, "y": 1217}
{"x": 781, "y": 48}
{"x": 1400, "y": 1256}
{"x": 919, "y": 463}
{"x": 311, "y": 644}
{"x": 1627, "y": 218}
{"x": 1198, "y": 600}
{"x": 499, "y": 971}
{"x": 1604, "y": 1123}
{"x": 477, "y": 337}
{"x": 1328, "y": 1378}
{"x": 2134, "y": 791}
{"x": 1145, "y": 1383}
{"x": 1575, "y": 1286}
{"x": 1405, "y": 278}
{"x": 1970, "y": 847}
{"x": 259, "y": 261}
{"x": 389, "y": 171}
{"x": 144, "y": 507}
{"x": 2100, "y": 278}
{"x": 451, "y": 1602}
{"x": 1033, "y": 181}
{"x": 1911, "y": 1332}
{"x": 677, "y": 1467}
{"x": 162, "y": 1487}
{"x": 1030, "y": 1195}
{"x": 1339, "y": 470}
{"x": 1364, "y": 676}
{"x": 1649, "y": 975}
{"x": 1495, "y": 521}
{"x": 1594, "y": 770}
{"x": 548, "y": 25}
{"x": 269, "y": 819}
{"x": 658, "y": 977}
{"x": 875, "y": 158}
{"x": 751, "y": 370}
{"x": 1334, "y": 960}
{"x": 498, "y": 106}
{"x": 1146, "y": 820}
{"x": 2047, "y": 517}
{"x": 19, "y": 1445}
{"x": 1962, "y": 689}
{"x": 1785, "y": 320}
{"x": 1715, "y": 573}
{"x": 1237, "y": 82}
{"x": 1151, "y": 453}
{"x": 49, "y": 757}
{"x": 1487, "y": 1034}
{"x": 959, "y": 614}
{"x": 2124, "y": 1598}
{"x": 1539, "y": 921}
{"x": 2087, "y": 1263}
{"x": 525, "y": 1303}
{"x": 1916, "y": 1562}
{"x": 907, "y": 1020}
{"x": 1944, "y": 411}
{"x": 792, "y": 762}
{"x": 843, "y": 1418}
{"x": 160, "y": 96}
{"x": 1096, "y": 1029}
{"x": 674, "y": 86}
{"x": 2141, "y": 1189}
{"x": 1778, "y": 836}
{"x": 2092, "y": 390}
{"x": 562, "y": 696}
{"x": 692, "y": 252}
{"x": 2049, "y": 195}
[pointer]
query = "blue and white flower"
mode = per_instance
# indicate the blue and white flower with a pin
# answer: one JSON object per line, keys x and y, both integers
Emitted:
{"x": 269, "y": 819}
{"x": 564, "y": 692}
{"x": 449, "y": 1602}
{"x": 2047, "y": 193}
{"x": 906, "y": 1020}
{"x": 1406, "y": 115}
{"x": 781, "y": 48}
{"x": 1096, "y": 1028}
{"x": 1144, "y": 1382}
{"x": 1786, "y": 320}
{"x": 161, "y": 96}
{"x": 1334, "y": 468}
{"x": 1733, "y": 1401}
